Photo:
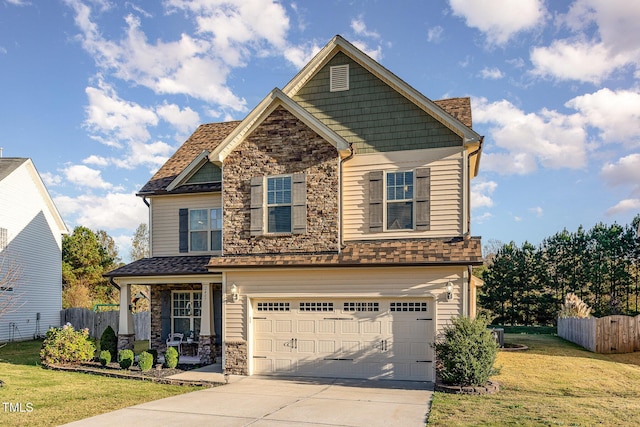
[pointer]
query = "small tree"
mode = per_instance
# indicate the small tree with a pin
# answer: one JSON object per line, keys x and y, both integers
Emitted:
{"x": 574, "y": 307}
{"x": 466, "y": 352}
{"x": 109, "y": 342}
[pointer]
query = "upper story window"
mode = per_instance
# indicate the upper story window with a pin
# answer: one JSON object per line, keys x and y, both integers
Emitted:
{"x": 279, "y": 204}
{"x": 399, "y": 200}
{"x": 205, "y": 230}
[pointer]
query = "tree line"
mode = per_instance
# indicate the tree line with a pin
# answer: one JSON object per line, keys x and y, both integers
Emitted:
{"x": 525, "y": 285}
{"x": 86, "y": 256}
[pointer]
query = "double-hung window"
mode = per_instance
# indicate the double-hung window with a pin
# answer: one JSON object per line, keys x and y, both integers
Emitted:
{"x": 186, "y": 311}
{"x": 400, "y": 196}
{"x": 279, "y": 204}
{"x": 205, "y": 230}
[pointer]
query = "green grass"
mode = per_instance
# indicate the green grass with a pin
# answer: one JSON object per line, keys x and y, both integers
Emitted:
{"x": 554, "y": 383}
{"x": 62, "y": 397}
{"x": 531, "y": 330}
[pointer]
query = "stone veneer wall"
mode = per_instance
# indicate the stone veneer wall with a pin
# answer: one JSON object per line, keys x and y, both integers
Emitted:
{"x": 156, "y": 311}
{"x": 282, "y": 144}
{"x": 236, "y": 358}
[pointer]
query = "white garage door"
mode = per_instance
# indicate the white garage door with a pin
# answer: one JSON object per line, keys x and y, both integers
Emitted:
{"x": 373, "y": 339}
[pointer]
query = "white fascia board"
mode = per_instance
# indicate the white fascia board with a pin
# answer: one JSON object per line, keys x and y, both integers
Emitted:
{"x": 42, "y": 189}
{"x": 262, "y": 111}
{"x": 191, "y": 168}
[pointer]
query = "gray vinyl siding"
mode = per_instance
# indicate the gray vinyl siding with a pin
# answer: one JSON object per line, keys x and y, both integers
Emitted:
{"x": 372, "y": 115}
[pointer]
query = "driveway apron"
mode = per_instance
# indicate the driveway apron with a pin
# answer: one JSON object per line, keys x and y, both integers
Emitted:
{"x": 266, "y": 401}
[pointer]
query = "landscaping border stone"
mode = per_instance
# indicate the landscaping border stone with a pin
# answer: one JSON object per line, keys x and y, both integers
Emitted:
{"x": 490, "y": 387}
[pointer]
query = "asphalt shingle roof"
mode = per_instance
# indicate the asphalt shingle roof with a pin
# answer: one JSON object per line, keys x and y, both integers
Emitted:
{"x": 460, "y": 108}
{"x": 163, "y": 266}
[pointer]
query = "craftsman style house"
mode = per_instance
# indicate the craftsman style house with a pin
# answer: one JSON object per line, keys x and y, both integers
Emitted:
{"x": 326, "y": 234}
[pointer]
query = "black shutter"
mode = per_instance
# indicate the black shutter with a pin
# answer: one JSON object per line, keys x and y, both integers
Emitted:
{"x": 165, "y": 315}
{"x": 376, "y": 191}
{"x": 423, "y": 195}
{"x": 183, "y": 221}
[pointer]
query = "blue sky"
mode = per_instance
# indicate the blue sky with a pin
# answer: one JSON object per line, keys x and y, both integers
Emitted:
{"x": 100, "y": 93}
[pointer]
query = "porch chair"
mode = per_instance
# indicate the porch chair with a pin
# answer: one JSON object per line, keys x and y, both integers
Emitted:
{"x": 175, "y": 340}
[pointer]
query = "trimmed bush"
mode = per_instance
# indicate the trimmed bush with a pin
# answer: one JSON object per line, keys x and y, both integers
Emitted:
{"x": 466, "y": 353}
{"x": 66, "y": 345}
{"x": 105, "y": 357}
{"x": 125, "y": 358}
{"x": 109, "y": 342}
{"x": 145, "y": 361}
{"x": 154, "y": 353}
{"x": 171, "y": 357}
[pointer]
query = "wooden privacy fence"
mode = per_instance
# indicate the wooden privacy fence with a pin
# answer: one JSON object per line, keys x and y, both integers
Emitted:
{"x": 97, "y": 322}
{"x": 611, "y": 334}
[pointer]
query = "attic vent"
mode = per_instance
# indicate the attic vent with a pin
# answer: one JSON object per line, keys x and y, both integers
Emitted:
{"x": 339, "y": 78}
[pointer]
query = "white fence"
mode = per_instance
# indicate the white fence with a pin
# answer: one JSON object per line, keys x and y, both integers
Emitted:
{"x": 97, "y": 322}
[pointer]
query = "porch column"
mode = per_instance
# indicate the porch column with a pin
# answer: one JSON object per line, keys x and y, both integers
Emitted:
{"x": 206, "y": 341}
{"x": 126, "y": 335}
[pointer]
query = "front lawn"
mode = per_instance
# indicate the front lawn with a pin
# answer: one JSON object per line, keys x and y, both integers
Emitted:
{"x": 62, "y": 397}
{"x": 554, "y": 383}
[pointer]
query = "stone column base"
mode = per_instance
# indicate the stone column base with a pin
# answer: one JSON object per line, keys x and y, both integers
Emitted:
{"x": 236, "y": 358}
{"x": 206, "y": 349}
{"x": 126, "y": 342}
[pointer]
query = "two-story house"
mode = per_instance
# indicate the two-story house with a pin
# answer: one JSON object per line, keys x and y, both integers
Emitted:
{"x": 326, "y": 234}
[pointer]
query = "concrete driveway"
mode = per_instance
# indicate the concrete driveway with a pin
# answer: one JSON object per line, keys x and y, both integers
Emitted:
{"x": 266, "y": 401}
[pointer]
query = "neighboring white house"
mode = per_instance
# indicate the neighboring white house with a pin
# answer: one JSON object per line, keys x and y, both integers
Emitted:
{"x": 31, "y": 230}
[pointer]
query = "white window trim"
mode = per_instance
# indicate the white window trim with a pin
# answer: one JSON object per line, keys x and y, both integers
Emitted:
{"x": 386, "y": 201}
{"x": 208, "y": 230}
{"x": 191, "y": 317}
{"x": 265, "y": 214}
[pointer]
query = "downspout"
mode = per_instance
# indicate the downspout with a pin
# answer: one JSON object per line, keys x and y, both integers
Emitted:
{"x": 469, "y": 274}
{"x": 340, "y": 201}
{"x": 473, "y": 153}
{"x": 146, "y": 202}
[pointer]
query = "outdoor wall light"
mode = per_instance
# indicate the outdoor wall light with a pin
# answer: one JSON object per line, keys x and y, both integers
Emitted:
{"x": 449, "y": 290}
{"x": 234, "y": 292}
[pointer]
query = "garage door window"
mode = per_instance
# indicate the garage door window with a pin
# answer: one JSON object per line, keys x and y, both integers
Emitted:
{"x": 274, "y": 306}
{"x": 361, "y": 306}
{"x": 316, "y": 306}
{"x": 408, "y": 306}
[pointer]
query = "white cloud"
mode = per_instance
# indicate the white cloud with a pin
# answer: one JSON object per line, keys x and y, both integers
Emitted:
{"x": 526, "y": 140}
{"x": 581, "y": 61}
{"x": 625, "y": 172}
{"x": 96, "y": 160}
{"x": 111, "y": 211}
{"x": 185, "y": 120}
{"x": 84, "y": 176}
{"x": 491, "y": 73}
{"x": 116, "y": 118}
{"x": 153, "y": 155}
{"x": 360, "y": 28}
{"x": 300, "y": 55}
{"x": 500, "y": 20}
{"x": 480, "y": 219}
{"x": 538, "y": 211}
{"x": 434, "y": 34}
{"x": 375, "y": 53}
{"x": 626, "y": 205}
{"x": 615, "y": 113}
{"x": 517, "y": 218}
{"x": 481, "y": 192}
{"x": 50, "y": 180}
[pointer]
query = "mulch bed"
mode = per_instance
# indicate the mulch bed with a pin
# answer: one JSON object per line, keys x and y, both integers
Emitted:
{"x": 113, "y": 370}
{"x": 490, "y": 387}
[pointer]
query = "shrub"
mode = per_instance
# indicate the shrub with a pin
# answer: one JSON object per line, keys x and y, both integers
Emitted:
{"x": 66, "y": 345}
{"x": 145, "y": 361}
{"x": 125, "y": 358}
{"x": 109, "y": 342}
{"x": 466, "y": 353}
{"x": 171, "y": 357}
{"x": 574, "y": 307}
{"x": 154, "y": 353}
{"x": 105, "y": 357}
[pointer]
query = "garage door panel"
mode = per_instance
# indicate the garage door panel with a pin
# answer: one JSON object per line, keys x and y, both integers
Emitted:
{"x": 347, "y": 339}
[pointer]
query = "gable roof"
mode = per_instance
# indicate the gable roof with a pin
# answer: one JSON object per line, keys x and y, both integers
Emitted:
{"x": 261, "y": 112}
{"x": 206, "y": 138}
{"x": 339, "y": 44}
{"x": 10, "y": 164}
